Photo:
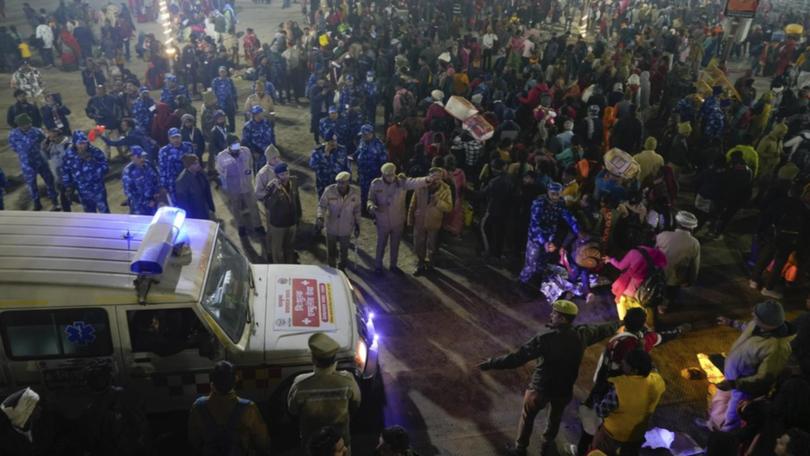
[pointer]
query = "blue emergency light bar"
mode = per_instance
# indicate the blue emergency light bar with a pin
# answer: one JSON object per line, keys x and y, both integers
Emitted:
{"x": 158, "y": 242}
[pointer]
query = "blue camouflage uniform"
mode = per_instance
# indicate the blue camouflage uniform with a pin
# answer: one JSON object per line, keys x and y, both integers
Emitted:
{"x": 371, "y": 155}
{"x": 27, "y": 146}
{"x": 327, "y": 125}
{"x": 140, "y": 187}
{"x": 545, "y": 219}
{"x": 713, "y": 117}
{"x": 168, "y": 95}
{"x": 348, "y": 95}
{"x": 225, "y": 92}
{"x": 170, "y": 165}
{"x": 371, "y": 98}
{"x": 257, "y": 136}
{"x": 86, "y": 176}
{"x": 142, "y": 115}
{"x": 327, "y": 167}
{"x": 347, "y": 132}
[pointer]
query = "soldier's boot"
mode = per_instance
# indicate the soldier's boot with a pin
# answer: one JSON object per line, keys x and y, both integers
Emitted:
{"x": 37, "y": 205}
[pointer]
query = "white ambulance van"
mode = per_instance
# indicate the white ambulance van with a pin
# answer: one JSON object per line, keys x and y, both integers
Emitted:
{"x": 159, "y": 300}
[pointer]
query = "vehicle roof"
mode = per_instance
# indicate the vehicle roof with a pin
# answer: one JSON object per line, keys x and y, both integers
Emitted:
{"x": 53, "y": 258}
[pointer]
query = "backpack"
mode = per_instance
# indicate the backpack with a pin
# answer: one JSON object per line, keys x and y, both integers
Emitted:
{"x": 221, "y": 440}
{"x": 651, "y": 292}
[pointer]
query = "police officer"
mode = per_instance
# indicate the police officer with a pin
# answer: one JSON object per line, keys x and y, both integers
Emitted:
{"x": 558, "y": 351}
{"x": 26, "y": 141}
{"x": 143, "y": 110}
{"x": 172, "y": 89}
{"x": 325, "y": 397}
{"x": 257, "y": 134}
{"x": 225, "y": 91}
{"x": 235, "y": 168}
{"x": 328, "y": 160}
{"x": 83, "y": 171}
{"x": 371, "y": 97}
{"x": 546, "y": 213}
{"x": 329, "y": 123}
{"x": 349, "y": 129}
{"x": 170, "y": 162}
{"x": 340, "y": 207}
{"x": 371, "y": 155}
{"x": 347, "y": 94}
{"x": 245, "y": 430}
{"x": 386, "y": 204}
{"x": 140, "y": 181}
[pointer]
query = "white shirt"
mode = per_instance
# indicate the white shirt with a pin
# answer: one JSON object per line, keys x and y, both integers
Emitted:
{"x": 45, "y": 33}
{"x": 488, "y": 40}
{"x": 528, "y": 48}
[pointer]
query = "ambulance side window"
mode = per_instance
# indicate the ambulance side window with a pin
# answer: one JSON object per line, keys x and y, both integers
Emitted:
{"x": 58, "y": 333}
{"x": 165, "y": 332}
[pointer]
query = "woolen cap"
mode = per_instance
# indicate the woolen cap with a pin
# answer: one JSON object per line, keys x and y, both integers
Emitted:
{"x": 22, "y": 120}
{"x": 322, "y": 346}
{"x": 565, "y": 307}
{"x": 770, "y": 312}
{"x": 280, "y": 168}
{"x": 174, "y": 132}
{"x": 343, "y": 176}
{"x": 256, "y": 109}
{"x": 686, "y": 219}
{"x": 366, "y": 129}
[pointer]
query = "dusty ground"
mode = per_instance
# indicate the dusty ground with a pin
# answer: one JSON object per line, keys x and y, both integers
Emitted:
{"x": 436, "y": 329}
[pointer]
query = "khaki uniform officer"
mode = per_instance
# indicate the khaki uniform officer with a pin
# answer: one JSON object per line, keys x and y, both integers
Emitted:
{"x": 386, "y": 203}
{"x": 325, "y": 397}
{"x": 340, "y": 206}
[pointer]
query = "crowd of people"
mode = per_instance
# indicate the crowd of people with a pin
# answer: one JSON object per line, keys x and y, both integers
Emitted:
{"x": 615, "y": 138}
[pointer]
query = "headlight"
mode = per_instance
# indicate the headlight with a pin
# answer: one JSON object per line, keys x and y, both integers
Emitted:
{"x": 360, "y": 355}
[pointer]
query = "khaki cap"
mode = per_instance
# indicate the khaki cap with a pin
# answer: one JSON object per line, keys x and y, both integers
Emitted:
{"x": 322, "y": 346}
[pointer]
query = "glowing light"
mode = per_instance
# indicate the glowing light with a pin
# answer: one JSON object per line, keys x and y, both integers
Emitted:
{"x": 375, "y": 344}
{"x": 713, "y": 374}
{"x": 360, "y": 354}
{"x": 370, "y": 319}
{"x": 168, "y": 214}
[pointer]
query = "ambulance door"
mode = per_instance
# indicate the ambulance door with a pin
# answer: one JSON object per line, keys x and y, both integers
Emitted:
{"x": 53, "y": 350}
{"x": 168, "y": 354}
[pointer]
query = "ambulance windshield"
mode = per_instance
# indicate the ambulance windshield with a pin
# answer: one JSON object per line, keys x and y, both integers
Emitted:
{"x": 227, "y": 288}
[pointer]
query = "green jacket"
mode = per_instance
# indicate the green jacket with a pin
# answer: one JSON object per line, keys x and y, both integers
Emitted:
{"x": 558, "y": 352}
{"x": 757, "y": 357}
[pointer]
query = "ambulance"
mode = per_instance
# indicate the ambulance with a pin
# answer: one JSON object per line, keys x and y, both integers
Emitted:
{"x": 157, "y": 301}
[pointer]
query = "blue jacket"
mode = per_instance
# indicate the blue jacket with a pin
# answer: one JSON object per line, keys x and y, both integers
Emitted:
{"x": 86, "y": 176}
{"x": 140, "y": 185}
{"x": 225, "y": 91}
{"x": 27, "y": 145}
{"x": 141, "y": 113}
{"x": 371, "y": 155}
{"x": 170, "y": 164}
{"x": 258, "y": 135}
{"x": 546, "y": 217}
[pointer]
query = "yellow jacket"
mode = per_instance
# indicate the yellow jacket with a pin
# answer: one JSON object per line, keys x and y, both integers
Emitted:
{"x": 427, "y": 209}
{"x": 638, "y": 397}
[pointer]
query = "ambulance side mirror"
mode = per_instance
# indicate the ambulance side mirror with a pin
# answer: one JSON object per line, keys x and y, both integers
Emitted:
{"x": 209, "y": 347}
